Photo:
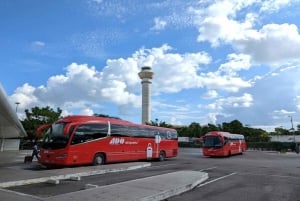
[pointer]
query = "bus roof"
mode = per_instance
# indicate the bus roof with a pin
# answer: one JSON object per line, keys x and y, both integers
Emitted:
{"x": 225, "y": 134}
{"x": 95, "y": 119}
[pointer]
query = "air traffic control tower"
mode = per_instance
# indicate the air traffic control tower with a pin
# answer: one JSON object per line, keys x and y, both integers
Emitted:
{"x": 146, "y": 75}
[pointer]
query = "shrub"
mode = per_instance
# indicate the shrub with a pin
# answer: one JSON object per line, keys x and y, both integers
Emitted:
{"x": 272, "y": 146}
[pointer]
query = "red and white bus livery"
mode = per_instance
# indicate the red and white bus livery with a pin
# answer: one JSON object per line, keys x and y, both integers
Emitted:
{"x": 217, "y": 143}
{"x": 77, "y": 140}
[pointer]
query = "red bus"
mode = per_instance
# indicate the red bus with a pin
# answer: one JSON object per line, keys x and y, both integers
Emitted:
{"x": 78, "y": 140}
{"x": 217, "y": 143}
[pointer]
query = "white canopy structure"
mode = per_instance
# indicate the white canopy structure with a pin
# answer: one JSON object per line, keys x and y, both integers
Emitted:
{"x": 11, "y": 129}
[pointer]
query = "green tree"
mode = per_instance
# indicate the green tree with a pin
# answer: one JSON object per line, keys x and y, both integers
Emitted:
{"x": 255, "y": 135}
{"x": 194, "y": 129}
{"x": 183, "y": 131}
{"x": 105, "y": 115}
{"x": 298, "y": 130}
{"x": 280, "y": 131}
{"x": 37, "y": 117}
{"x": 234, "y": 126}
{"x": 159, "y": 123}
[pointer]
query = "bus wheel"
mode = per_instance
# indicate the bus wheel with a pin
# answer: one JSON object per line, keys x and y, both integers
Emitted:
{"x": 242, "y": 152}
{"x": 229, "y": 153}
{"x": 99, "y": 159}
{"x": 162, "y": 156}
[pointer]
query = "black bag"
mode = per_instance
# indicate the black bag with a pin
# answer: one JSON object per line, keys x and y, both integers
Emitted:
{"x": 27, "y": 159}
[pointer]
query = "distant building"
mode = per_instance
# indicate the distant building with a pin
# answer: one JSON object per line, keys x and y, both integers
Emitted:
{"x": 285, "y": 138}
{"x": 11, "y": 129}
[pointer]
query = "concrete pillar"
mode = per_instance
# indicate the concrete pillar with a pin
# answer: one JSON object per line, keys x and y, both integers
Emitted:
{"x": 2, "y": 139}
{"x": 2, "y": 145}
{"x": 146, "y": 75}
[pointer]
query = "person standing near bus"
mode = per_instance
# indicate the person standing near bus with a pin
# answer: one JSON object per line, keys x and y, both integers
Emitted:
{"x": 35, "y": 151}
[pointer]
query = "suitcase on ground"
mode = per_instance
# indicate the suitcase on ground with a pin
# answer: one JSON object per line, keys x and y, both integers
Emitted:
{"x": 27, "y": 159}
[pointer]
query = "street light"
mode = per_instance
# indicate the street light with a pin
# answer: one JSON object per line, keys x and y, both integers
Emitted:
{"x": 17, "y": 104}
{"x": 293, "y": 131}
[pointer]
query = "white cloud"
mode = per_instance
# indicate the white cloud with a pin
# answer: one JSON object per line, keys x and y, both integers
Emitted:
{"x": 213, "y": 117}
{"x": 223, "y": 22}
{"x": 213, "y": 80}
{"x": 159, "y": 24}
{"x": 116, "y": 9}
{"x": 38, "y": 44}
{"x": 211, "y": 94}
{"x": 25, "y": 96}
{"x": 274, "y": 98}
{"x": 92, "y": 44}
{"x": 281, "y": 114}
{"x": 37, "y": 47}
{"x": 246, "y": 100}
{"x": 274, "y": 5}
{"x": 172, "y": 71}
{"x": 175, "y": 72}
{"x": 236, "y": 63}
{"x": 97, "y": 1}
{"x": 85, "y": 85}
{"x": 276, "y": 43}
{"x": 87, "y": 111}
{"x": 298, "y": 102}
{"x": 217, "y": 23}
{"x": 84, "y": 88}
{"x": 250, "y": 74}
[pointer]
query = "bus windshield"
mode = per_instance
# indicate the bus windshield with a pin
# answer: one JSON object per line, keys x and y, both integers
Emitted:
{"x": 54, "y": 137}
{"x": 212, "y": 141}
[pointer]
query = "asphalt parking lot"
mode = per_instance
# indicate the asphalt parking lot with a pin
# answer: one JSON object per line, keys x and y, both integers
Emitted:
{"x": 253, "y": 176}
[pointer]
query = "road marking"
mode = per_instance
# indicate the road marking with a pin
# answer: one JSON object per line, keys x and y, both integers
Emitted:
{"x": 217, "y": 179}
{"x": 214, "y": 167}
{"x": 271, "y": 175}
{"x": 20, "y": 194}
{"x": 161, "y": 165}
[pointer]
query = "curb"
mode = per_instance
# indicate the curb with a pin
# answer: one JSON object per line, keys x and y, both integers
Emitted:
{"x": 154, "y": 188}
{"x": 173, "y": 192}
{"x": 56, "y": 179}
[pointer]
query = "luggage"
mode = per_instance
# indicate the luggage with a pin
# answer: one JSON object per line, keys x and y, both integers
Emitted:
{"x": 27, "y": 159}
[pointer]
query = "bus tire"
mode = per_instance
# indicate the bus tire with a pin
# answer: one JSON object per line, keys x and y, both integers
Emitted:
{"x": 229, "y": 153}
{"x": 162, "y": 156}
{"x": 242, "y": 152}
{"x": 99, "y": 159}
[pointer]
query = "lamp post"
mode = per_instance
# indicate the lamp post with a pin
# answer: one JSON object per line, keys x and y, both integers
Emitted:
{"x": 17, "y": 104}
{"x": 293, "y": 130}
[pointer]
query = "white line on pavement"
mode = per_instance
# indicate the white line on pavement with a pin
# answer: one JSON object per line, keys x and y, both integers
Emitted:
{"x": 214, "y": 167}
{"x": 161, "y": 165}
{"x": 20, "y": 194}
{"x": 228, "y": 175}
{"x": 271, "y": 175}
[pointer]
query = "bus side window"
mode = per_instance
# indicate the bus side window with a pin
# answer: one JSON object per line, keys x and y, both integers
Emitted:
{"x": 120, "y": 130}
{"x": 226, "y": 140}
{"x": 87, "y": 132}
{"x": 163, "y": 134}
{"x": 97, "y": 131}
{"x": 78, "y": 137}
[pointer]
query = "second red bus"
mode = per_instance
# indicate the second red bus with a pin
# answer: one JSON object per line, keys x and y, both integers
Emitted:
{"x": 217, "y": 143}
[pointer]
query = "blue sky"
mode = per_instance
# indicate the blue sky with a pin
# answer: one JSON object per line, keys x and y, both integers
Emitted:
{"x": 213, "y": 61}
